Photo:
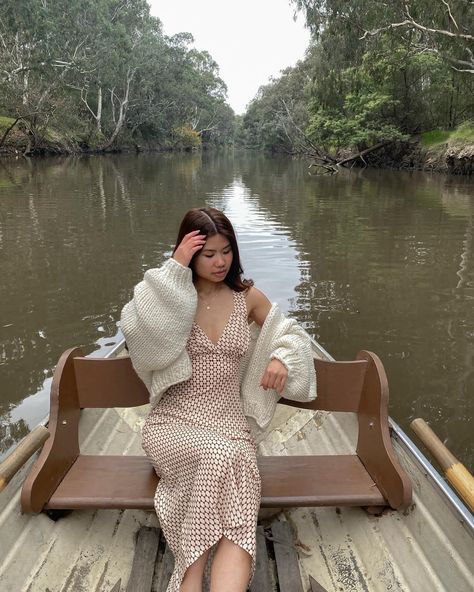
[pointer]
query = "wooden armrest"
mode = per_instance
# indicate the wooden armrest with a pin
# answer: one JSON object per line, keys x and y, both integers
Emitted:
{"x": 374, "y": 446}
{"x": 62, "y": 447}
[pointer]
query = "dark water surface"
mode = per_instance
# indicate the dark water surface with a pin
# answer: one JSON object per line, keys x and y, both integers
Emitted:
{"x": 364, "y": 259}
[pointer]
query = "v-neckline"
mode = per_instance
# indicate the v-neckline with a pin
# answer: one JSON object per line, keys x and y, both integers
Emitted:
{"x": 216, "y": 343}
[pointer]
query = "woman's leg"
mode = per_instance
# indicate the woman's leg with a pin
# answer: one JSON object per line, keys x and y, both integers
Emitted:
{"x": 192, "y": 580}
{"x": 230, "y": 568}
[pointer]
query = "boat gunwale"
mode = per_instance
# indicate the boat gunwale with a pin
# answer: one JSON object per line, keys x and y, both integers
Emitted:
{"x": 463, "y": 513}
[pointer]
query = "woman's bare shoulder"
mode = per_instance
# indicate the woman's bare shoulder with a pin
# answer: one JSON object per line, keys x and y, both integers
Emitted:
{"x": 255, "y": 296}
{"x": 258, "y": 305}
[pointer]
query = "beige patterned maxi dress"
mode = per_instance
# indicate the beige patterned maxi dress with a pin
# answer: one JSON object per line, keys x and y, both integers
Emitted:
{"x": 200, "y": 444}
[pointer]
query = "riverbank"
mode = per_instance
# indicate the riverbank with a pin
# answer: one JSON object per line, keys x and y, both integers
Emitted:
{"x": 449, "y": 152}
{"x": 16, "y": 140}
{"x": 441, "y": 151}
{"x": 450, "y": 158}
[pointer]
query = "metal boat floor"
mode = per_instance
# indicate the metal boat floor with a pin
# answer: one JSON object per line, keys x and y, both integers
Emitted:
{"x": 345, "y": 549}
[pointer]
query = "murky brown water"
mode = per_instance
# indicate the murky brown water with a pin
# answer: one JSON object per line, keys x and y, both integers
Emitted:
{"x": 365, "y": 260}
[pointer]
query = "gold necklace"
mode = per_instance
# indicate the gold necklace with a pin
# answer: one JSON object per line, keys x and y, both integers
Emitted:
{"x": 208, "y": 303}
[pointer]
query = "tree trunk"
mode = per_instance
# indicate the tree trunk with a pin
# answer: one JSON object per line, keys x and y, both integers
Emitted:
{"x": 99, "y": 110}
{"x": 4, "y": 137}
{"x": 25, "y": 89}
{"x": 363, "y": 153}
{"x": 122, "y": 111}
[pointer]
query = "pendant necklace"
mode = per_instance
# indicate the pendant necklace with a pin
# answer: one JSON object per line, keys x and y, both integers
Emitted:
{"x": 208, "y": 303}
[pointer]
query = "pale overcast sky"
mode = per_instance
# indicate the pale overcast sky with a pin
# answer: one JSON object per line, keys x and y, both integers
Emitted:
{"x": 251, "y": 40}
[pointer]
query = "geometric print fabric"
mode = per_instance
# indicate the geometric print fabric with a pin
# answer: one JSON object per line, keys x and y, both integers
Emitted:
{"x": 199, "y": 442}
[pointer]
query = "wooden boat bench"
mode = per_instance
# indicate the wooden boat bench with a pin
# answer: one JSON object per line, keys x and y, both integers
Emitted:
{"x": 64, "y": 479}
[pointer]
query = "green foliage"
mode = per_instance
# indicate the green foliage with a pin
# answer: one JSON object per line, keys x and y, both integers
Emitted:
{"x": 465, "y": 132}
{"x": 354, "y": 89}
{"x": 185, "y": 138}
{"x": 363, "y": 124}
{"x": 278, "y": 111}
{"x": 5, "y": 123}
{"x": 103, "y": 72}
{"x": 435, "y": 137}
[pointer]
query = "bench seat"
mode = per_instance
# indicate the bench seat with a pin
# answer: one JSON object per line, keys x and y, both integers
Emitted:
{"x": 117, "y": 482}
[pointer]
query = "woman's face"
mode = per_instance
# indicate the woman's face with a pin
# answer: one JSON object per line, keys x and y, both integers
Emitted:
{"x": 213, "y": 261}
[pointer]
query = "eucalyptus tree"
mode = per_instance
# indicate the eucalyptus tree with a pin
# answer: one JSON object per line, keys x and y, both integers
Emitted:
{"x": 189, "y": 94}
{"x": 378, "y": 71}
{"x": 124, "y": 43}
{"x": 277, "y": 117}
{"x": 206, "y": 92}
{"x": 37, "y": 56}
{"x": 427, "y": 47}
{"x": 138, "y": 38}
{"x": 95, "y": 73}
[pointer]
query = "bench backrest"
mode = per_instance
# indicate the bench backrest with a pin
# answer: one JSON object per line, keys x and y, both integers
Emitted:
{"x": 339, "y": 386}
{"x": 108, "y": 382}
{"x": 112, "y": 382}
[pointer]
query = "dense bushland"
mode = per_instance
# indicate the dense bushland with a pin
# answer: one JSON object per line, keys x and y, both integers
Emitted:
{"x": 375, "y": 72}
{"x": 98, "y": 74}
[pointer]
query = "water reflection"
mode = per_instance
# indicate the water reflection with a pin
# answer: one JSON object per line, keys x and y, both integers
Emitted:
{"x": 267, "y": 251}
{"x": 366, "y": 259}
{"x": 383, "y": 262}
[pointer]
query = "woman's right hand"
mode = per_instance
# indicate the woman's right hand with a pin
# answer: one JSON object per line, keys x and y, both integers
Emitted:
{"x": 191, "y": 243}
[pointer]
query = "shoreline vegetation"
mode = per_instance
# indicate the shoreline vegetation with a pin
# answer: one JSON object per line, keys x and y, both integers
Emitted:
{"x": 443, "y": 151}
{"x": 95, "y": 75}
{"x": 392, "y": 83}
{"x": 15, "y": 141}
{"x": 381, "y": 85}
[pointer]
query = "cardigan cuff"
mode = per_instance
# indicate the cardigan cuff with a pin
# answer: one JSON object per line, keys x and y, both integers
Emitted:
{"x": 173, "y": 260}
{"x": 281, "y": 354}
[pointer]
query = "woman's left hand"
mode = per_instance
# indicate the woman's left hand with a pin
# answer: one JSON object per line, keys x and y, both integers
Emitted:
{"x": 275, "y": 376}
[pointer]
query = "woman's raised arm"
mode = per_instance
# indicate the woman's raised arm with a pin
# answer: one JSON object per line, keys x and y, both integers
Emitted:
{"x": 157, "y": 321}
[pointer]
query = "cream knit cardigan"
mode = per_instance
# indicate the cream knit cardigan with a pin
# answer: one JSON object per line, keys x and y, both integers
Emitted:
{"x": 157, "y": 322}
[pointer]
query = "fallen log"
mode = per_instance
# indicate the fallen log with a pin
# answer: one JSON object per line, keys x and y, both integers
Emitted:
{"x": 327, "y": 168}
{"x": 330, "y": 164}
{"x": 363, "y": 153}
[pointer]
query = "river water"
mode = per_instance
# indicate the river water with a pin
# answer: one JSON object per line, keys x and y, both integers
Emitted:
{"x": 364, "y": 259}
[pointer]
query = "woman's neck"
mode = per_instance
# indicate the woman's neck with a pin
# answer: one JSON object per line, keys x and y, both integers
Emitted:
{"x": 207, "y": 288}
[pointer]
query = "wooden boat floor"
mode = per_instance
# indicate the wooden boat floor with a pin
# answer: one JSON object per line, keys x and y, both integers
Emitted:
{"x": 276, "y": 570}
{"x": 130, "y": 482}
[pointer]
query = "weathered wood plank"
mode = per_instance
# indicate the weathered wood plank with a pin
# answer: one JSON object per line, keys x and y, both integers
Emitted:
{"x": 315, "y": 586}
{"x": 166, "y": 569}
{"x": 116, "y": 588}
{"x": 289, "y": 577}
{"x": 159, "y": 563}
{"x": 143, "y": 565}
{"x": 262, "y": 581}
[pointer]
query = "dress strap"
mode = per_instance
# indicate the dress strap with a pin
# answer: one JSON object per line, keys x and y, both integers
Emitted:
{"x": 241, "y": 303}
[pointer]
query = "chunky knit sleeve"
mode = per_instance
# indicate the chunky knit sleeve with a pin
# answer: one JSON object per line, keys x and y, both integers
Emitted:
{"x": 285, "y": 340}
{"x": 157, "y": 321}
{"x": 293, "y": 349}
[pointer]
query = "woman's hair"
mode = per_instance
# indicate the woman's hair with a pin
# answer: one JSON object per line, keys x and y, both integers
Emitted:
{"x": 210, "y": 222}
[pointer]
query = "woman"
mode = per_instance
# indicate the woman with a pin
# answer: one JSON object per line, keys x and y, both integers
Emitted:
{"x": 212, "y": 383}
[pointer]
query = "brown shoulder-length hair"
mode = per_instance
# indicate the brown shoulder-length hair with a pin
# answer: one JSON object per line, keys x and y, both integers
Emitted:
{"x": 210, "y": 222}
